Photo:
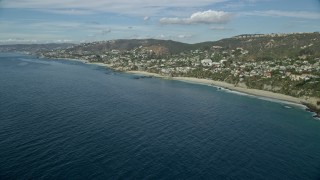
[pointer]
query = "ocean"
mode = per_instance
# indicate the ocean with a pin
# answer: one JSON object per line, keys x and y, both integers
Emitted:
{"x": 64, "y": 119}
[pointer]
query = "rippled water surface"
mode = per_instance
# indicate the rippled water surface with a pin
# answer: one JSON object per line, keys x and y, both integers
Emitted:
{"x": 67, "y": 120}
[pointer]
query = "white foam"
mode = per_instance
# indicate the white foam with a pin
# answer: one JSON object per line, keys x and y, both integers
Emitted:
{"x": 261, "y": 97}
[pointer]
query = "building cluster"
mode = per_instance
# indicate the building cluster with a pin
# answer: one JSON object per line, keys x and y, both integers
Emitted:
{"x": 272, "y": 35}
{"x": 215, "y": 62}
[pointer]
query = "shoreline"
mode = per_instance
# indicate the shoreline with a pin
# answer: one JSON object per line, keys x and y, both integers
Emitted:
{"x": 308, "y": 105}
{"x": 85, "y": 62}
{"x": 261, "y": 94}
{"x": 254, "y": 92}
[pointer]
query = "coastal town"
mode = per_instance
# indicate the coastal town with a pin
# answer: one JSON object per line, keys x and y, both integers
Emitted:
{"x": 286, "y": 64}
{"x": 299, "y": 76}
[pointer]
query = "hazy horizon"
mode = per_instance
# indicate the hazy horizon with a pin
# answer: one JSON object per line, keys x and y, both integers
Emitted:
{"x": 44, "y": 21}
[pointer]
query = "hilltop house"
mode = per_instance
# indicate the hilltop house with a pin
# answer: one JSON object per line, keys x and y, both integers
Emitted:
{"x": 206, "y": 62}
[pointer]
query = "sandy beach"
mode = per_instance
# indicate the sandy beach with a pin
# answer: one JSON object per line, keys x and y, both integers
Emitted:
{"x": 255, "y": 92}
{"x": 98, "y": 64}
{"x": 70, "y": 59}
{"x": 146, "y": 74}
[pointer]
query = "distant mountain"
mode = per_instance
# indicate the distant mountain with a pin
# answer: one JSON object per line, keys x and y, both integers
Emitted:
{"x": 259, "y": 46}
{"x": 161, "y": 47}
{"x": 273, "y": 46}
{"x": 34, "y": 48}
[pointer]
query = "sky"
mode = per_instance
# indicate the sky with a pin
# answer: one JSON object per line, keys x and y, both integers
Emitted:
{"x": 189, "y": 21}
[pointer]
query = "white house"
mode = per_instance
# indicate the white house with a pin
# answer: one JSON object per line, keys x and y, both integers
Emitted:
{"x": 206, "y": 62}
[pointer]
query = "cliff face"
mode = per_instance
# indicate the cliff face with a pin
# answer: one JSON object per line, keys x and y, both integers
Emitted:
{"x": 316, "y": 102}
{"x": 313, "y": 103}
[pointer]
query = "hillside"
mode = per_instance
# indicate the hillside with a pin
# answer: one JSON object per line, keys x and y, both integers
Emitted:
{"x": 273, "y": 46}
{"x": 259, "y": 47}
{"x": 161, "y": 47}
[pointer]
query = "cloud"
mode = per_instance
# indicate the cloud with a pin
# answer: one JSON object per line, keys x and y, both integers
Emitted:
{"x": 132, "y": 7}
{"x": 161, "y": 36}
{"x": 184, "y": 36}
{"x": 18, "y": 38}
{"x": 236, "y": 5}
{"x": 219, "y": 28}
{"x": 172, "y": 21}
{"x": 32, "y": 41}
{"x": 68, "y": 11}
{"x": 205, "y": 17}
{"x": 290, "y": 14}
{"x": 93, "y": 22}
{"x": 146, "y": 18}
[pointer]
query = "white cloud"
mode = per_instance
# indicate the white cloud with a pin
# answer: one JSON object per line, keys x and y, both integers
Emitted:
{"x": 133, "y": 7}
{"x": 236, "y": 5}
{"x": 18, "y": 38}
{"x": 183, "y": 36}
{"x": 291, "y": 14}
{"x": 205, "y": 17}
{"x": 219, "y": 28}
{"x": 32, "y": 41}
{"x": 51, "y": 31}
{"x": 161, "y": 36}
{"x": 69, "y": 11}
{"x": 172, "y": 21}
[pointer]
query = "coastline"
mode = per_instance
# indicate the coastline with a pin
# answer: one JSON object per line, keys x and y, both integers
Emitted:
{"x": 85, "y": 62}
{"x": 307, "y": 104}
{"x": 262, "y": 94}
{"x": 254, "y": 92}
{"x": 144, "y": 73}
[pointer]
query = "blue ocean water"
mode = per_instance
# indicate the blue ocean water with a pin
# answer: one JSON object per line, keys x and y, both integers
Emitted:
{"x": 67, "y": 120}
